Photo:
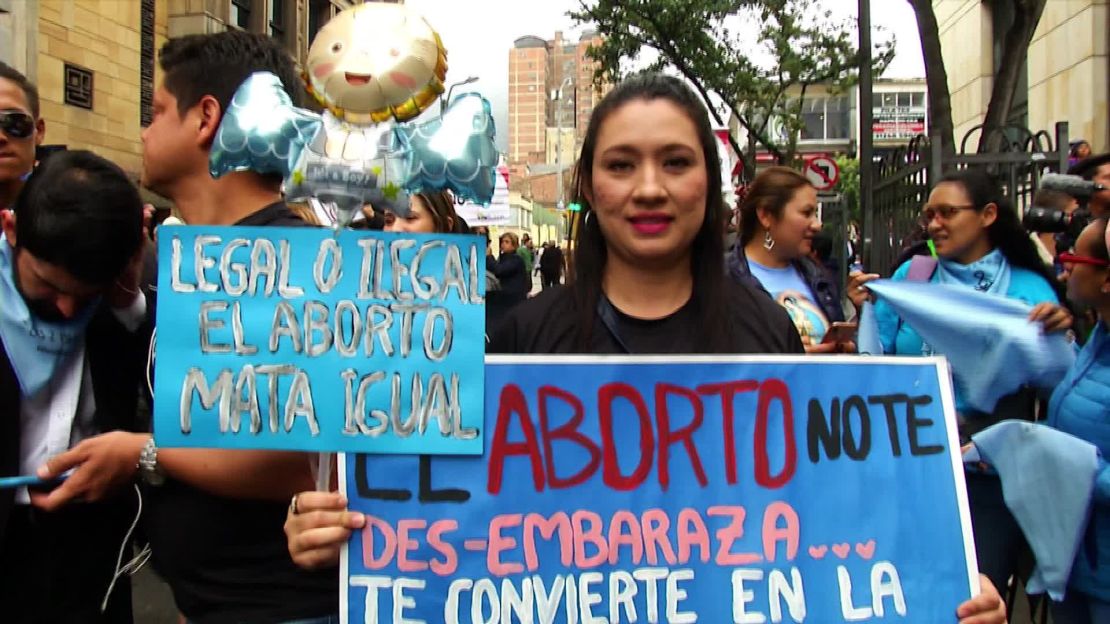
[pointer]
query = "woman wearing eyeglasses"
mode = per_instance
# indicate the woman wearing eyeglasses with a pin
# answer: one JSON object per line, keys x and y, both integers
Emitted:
{"x": 980, "y": 245}
{"x": 1079, "y": 407}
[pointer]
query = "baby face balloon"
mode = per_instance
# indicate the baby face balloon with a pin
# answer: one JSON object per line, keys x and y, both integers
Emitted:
{"x": 376, "y": 61}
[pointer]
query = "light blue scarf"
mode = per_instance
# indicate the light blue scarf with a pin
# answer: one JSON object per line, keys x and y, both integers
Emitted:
{"x": 1047, "y": 480}
{"x": 993, "y": 348}
{"x": 989, "y": 274}
{"x": 35, "y": 347}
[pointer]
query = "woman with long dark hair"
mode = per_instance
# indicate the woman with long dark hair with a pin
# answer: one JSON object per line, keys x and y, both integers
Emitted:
{"x": 648, "y": 275}
{"x": 980, "y": 245}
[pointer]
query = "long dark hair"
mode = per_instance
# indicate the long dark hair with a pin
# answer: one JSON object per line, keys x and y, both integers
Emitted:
{"x": 1006, "y": 233}
{"x": 706, "y": 266}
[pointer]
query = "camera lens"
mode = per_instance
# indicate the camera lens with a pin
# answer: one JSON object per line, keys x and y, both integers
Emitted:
{"x": 1040, "y": 219}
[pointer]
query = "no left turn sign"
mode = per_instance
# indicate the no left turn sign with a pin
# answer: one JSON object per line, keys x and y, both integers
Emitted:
{"x": 822, "y": 173}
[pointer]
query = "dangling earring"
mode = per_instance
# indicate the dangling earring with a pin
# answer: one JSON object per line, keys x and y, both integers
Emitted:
{"x": 768, "y": 241}
{"x": 586, "y": 219}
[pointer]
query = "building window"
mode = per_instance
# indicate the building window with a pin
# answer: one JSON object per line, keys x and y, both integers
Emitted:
{"x": 240, "y": 14}
{"x": 277, "y": 19}
{"x": 825, "y": 119}
{"x": 146, "y": 62}
{"x": 78, "y": 86}
{"x": 319, "y": 12}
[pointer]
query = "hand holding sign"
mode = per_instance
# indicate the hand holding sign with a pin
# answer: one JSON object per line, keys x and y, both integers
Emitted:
{"x": 317, "y": 526}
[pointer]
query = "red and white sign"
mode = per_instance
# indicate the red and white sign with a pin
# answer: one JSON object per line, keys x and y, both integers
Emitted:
{"x": 822, "y": 172}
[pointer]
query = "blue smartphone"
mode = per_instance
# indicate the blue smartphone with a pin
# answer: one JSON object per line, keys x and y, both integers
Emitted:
{"x": 31, "y": 481}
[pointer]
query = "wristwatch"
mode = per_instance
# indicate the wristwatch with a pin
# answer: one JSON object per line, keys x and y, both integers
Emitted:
{"x": 149, "y": 470}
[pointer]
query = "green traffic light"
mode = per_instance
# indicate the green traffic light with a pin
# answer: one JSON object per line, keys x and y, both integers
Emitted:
{"x": 574, "y": 207}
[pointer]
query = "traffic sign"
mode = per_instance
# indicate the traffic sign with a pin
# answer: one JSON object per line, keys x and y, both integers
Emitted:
{"x": 822, "y": 172}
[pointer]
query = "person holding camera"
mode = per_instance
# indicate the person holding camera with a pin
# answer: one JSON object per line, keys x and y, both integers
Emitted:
{"x": 1097, "y": 170}
{"x": 1066, "y": 203}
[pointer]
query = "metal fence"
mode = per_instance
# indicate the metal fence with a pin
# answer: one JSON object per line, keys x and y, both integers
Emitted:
{"x": 904, "y": 177}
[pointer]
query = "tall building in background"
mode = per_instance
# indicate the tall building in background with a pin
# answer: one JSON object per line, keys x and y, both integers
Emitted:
{"x": 528, "y": 78}
{"x": 588, "y": 95}
{"x": 538, "y": 68}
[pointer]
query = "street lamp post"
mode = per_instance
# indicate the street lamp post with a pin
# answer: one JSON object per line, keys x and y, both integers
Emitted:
{"x": 559, "y": 137}
{"x": 866, "y": 136}
{"x": 443, "y": 102}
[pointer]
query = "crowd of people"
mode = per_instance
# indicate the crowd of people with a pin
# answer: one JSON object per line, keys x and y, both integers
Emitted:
{"x": 651, "y": 274}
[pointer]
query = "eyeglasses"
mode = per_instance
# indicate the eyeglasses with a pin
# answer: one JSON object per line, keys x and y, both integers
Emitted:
{"x": 17, "y": 124}
{"x": 1069, "y": 258}
{"x": 944, "y": 211}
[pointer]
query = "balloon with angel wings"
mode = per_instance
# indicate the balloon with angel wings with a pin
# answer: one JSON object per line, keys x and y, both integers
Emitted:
{"x": 373, "y": 67}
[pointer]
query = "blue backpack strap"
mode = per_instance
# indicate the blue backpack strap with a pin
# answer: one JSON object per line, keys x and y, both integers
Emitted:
{"x": 921, "y": 269}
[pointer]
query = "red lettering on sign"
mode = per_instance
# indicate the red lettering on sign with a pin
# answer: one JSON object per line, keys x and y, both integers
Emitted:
{"x": 499, "y": 543}
{"x": 512, "y": 403}
{"x": 611, "y": 471}
{"x": 405, "y": 545}
{"x": 728, "y": 392}
{"x": 569, "y": 432}
{"x": 667, "y": 437}
{"x": 771, "y": 390}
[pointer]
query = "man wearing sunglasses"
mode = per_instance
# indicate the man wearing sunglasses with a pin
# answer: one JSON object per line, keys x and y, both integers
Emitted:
{"x": 21, "y": 131}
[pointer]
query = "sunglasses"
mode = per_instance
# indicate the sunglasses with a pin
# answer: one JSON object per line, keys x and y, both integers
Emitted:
{"x": 944, "y": 211}
{"x": 16, "y": 124}
{"x": 1069, "y": 258}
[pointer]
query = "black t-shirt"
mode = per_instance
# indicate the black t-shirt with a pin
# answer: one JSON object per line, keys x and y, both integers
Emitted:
{"x": 226, "y": 559}
{"x": 549, "y": 324}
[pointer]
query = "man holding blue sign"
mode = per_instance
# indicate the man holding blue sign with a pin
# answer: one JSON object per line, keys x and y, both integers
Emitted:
{"x": 214, "y": 516}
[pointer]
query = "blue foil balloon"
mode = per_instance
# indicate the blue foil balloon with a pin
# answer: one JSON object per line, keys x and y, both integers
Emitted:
{"x": 319, "y": 156}
{"x": 261, "y": 131}
{"x": 348, "y": 165}
{"x": 455, "y": 151}
{"x": 351, "y": 165}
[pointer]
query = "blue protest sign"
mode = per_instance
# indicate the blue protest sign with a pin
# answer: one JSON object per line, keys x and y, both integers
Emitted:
{"x": 746, "y": 489}
{"x": 306, "y": 339}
